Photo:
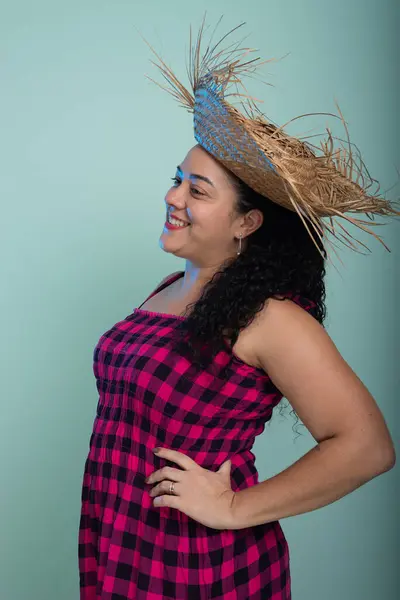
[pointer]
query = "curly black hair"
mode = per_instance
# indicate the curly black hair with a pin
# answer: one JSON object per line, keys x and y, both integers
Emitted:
{"x": 280, "y": 259}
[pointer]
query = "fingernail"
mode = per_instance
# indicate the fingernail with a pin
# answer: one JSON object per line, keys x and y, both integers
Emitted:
{"x": 156, "y": 450}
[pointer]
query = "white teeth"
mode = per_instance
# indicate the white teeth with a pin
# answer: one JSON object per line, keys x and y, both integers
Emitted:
{"x": 176, "y": 222}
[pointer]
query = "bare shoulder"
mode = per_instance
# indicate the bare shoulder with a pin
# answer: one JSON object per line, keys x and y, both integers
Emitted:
{"x": 305, "y": 365}
{"x": 283, "y": 326}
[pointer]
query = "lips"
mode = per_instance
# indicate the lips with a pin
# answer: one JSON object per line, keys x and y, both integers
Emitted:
{"x": 169, "y": 225}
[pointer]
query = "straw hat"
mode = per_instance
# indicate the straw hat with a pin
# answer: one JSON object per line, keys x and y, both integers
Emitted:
{"x": 323, "y": 184}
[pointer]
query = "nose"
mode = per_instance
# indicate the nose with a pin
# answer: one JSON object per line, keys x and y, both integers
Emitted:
{"x": 176, "y": 197}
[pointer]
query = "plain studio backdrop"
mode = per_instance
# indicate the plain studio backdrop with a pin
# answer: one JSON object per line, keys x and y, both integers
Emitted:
{"x": 88, "y": 147}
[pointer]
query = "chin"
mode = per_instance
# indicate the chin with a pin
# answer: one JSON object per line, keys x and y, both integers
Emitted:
{"x": 170, "y": 250}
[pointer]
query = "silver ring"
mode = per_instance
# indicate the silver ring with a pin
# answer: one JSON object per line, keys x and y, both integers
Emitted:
{"x": 171, "y": 487}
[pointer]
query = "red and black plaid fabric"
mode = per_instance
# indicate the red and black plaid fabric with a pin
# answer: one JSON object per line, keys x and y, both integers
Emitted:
{"x": 151, "y": 396}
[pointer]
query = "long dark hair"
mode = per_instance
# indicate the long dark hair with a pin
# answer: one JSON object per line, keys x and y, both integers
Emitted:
{"x": 280, "y": 259}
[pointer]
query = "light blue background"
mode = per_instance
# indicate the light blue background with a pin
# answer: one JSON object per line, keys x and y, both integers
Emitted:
{"x": 87, "y": 147}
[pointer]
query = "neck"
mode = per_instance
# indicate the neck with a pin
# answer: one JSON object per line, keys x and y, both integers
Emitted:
{"x": 195, "y": 278}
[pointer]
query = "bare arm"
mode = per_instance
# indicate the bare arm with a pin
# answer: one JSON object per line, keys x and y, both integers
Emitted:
{"x": 353, "y": 442}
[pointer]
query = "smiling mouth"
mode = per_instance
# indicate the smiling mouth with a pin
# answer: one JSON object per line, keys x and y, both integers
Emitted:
{"x": 176, "y": 223}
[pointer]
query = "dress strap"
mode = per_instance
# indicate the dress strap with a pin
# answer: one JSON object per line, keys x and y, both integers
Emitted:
{"x": 168, "y": 281}
{"x": 303, "y": 302}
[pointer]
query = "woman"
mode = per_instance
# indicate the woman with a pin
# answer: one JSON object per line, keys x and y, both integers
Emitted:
{"x": 199, "y": 367}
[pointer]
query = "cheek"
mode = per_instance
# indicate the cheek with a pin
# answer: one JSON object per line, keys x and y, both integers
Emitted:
{"x": 207, "y": 217}
{"x": 212, "y": 226}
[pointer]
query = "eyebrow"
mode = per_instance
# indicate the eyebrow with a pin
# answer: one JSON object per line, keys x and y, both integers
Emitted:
{"x": 196, "y": 176}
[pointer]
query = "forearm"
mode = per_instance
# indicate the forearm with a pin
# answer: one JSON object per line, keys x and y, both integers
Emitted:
{"x": 329, "y": 471}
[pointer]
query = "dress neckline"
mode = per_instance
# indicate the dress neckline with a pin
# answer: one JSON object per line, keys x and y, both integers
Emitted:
{"x": 152, "y": 313}
{"x": 239, "y": 361}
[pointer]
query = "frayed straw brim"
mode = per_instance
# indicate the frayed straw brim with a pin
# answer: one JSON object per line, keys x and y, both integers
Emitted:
{"x": 321, "y": 184}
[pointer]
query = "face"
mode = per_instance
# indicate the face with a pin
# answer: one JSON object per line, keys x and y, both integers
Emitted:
{"x": 204, "y": 197}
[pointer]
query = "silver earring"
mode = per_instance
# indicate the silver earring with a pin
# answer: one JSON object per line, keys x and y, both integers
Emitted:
{"x": 240, "y": 244}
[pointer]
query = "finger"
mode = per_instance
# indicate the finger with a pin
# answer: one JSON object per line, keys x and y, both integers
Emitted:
{"x": 164, "y": 473}
{"x": 167, "y": 500}
{"x": 162, "y": 488}
{"x": 182, "y": 460}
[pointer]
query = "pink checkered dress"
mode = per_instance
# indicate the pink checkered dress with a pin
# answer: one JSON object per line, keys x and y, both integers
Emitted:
{"x": 149, "y": 396}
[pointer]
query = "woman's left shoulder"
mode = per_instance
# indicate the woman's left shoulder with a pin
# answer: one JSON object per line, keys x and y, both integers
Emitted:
{"x": 286, "y": 324}
{"x": 291, "y": 300}
{"x": 287, "y": 311}
{"x": 279, "y": 323}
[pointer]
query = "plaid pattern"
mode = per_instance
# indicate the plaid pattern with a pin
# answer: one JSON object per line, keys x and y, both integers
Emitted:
{"x": 149, "y": 396}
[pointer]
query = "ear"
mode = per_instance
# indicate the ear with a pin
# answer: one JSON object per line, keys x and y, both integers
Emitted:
{"x": 253, "y": 220}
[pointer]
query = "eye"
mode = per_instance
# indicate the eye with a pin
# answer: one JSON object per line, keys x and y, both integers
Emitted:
{"x": 177, "y": 181}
